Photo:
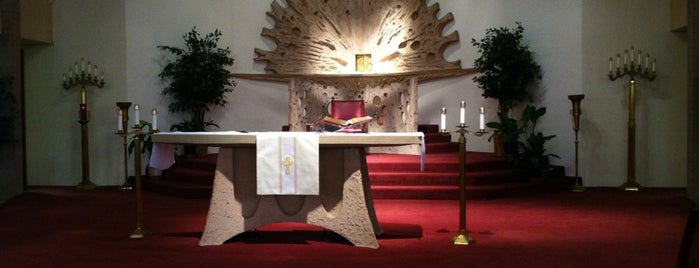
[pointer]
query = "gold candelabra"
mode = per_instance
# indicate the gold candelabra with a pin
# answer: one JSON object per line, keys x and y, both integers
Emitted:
{"x": 463, "y": 238}
{"x": 123, "y": 114}
{"x": 83, "y": 75}
{"x": 575, "y": 100}
{"x": 633, "y": 68}
{"x": 138, "y": 134}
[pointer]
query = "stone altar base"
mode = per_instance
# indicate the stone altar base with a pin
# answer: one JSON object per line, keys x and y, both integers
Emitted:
{"x": 344, "y": 205}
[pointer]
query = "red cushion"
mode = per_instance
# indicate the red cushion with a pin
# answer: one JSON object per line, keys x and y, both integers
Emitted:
{"x": 346, "y": 109}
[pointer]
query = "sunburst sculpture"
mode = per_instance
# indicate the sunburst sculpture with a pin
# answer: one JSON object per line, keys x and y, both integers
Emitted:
{"x": 325, "y": 37}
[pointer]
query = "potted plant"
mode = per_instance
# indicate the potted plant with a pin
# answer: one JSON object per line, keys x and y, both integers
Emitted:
{"x": 507, "y": 71}
{"x": 198, "y": 78}
{"x": 533, "y": 156}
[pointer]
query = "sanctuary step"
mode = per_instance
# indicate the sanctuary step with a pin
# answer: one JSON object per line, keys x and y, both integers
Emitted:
{"x": 393, "y": 176}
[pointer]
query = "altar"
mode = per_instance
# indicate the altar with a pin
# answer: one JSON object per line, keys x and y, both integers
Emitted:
{"x": 344, "y": 203}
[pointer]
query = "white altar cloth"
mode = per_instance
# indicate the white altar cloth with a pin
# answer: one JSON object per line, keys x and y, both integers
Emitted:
{"x": 287, "y": 163}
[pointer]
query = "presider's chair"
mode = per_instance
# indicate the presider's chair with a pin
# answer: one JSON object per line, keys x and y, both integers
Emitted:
{"x": 347, "y": 109}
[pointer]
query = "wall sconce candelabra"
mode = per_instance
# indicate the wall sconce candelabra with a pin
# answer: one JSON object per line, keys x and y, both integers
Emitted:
{"x": 463, "y": 238}
{"x": 83, "y": 75}
{"x": 138, "y": 134}
{"x": 633, "y": 68}
{"x": 575, "y": 100}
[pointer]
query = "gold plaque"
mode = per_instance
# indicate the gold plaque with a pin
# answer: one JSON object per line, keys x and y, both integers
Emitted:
{"x": 363, "y": 62}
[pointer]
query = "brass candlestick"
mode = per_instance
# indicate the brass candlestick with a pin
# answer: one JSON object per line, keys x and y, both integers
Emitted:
{"x": 463, "y": 238}
{"x": 575, "y": 100}
{"x": 632, "y": 69}
{"x": 83, "y": 75}
{"x": 138, "y": 232}
{"x": 124, "y": 112}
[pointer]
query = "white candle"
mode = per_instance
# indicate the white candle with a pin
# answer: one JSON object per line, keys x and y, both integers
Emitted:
{"x": 632, "y": 54}
{"x": 64, "y": 77}
{"x": 482, "y": 118}
{"x": 443, "y": 120}
{"x": 617, "y": 60}
{"x": 653, "y": 65}
{"x": 155, "y": 119}
{"x": 610, "y": 64}
{"x": 462, "y": 113}
{"x": 639, "y": 58}
{"x": 120, "y": 117}
{"x": 647, "y": 55}
{"x": 82, "y": 64}
{"x": 626, "y": 54}
{"x": 137, "y": 116}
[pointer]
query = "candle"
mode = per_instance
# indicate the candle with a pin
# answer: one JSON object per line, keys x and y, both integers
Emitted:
{"x": 653, "y": 65}
{"x": 462, "y": 113}
{"x": 647, "y": 56}
{"x": 120, "y": 118}
{"x": 82, "y": 64}
{"x": 632, "y": 54}
{"x": 443, "y": 120}
{"x": 64, "y": 77}
{"x": 137, "y": 116}
{"x": 83, "y": 112}
{"x": 626, "y": 54}
{"x": 610, "y": 64}
{"x": 482, "y": 118}
{"x": 617, "y": 60}
{"x": 155, "y": 119}
{"x": 639, "y": 58}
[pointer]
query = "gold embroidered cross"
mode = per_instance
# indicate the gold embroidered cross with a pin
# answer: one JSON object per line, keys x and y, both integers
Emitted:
{"x": 287, "y": 164}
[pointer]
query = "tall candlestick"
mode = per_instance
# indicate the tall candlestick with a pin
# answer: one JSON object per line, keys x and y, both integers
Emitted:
{"x": 137, "y": 116}
{"x": 462, "y": 113}
{"x": 155, "y": 119}
{"x": 120, "y": 118}
{"x": 443, "y": 120}
{"x": 481, "y": 118}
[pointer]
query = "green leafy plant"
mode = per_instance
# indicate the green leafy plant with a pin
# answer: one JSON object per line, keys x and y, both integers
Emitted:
{"x": 198, "y": 78}
{"x": 506, "y": 65}
{"x": 508, "y": 131}
{"x": 532, "y": 154}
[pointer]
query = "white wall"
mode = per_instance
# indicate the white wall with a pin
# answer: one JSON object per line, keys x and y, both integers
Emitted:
{"x": 571, "y": 40}
{"x": 609, "y": 27}
{"x": 81, "y": 28}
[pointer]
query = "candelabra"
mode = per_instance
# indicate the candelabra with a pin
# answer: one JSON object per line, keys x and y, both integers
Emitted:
{"x": 138, "y": 134}
{"x": 123, "y": 122}
{"x": 83, "y": 76}
{"x": 575, "y": 100}
{"x": 463, "y": 238}
{"x": 633, "y": 69}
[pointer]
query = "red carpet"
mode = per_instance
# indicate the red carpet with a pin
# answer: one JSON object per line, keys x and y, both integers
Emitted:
{"x": 50, "y": 227}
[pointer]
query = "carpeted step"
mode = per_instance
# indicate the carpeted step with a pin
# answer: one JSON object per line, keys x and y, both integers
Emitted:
{"x": 436, "y": 162}
{"x": 473, "y": 192}
{"x": 442, "y": 147}
{"x": 199, "y": 162}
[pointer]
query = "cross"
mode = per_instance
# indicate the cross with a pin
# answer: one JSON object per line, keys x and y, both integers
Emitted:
{"x": 287, "y": 163}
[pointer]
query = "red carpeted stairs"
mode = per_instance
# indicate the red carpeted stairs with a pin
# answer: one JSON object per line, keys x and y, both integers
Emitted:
{"x": 393, "y": 176}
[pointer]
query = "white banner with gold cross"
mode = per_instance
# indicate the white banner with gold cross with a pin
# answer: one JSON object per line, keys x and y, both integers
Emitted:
{"x": 287, "y": 163}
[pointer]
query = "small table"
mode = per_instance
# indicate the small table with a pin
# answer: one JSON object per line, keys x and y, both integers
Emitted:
{"x": 344, "y": 204}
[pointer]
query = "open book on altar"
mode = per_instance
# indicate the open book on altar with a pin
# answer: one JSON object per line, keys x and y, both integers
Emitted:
{"x": 330, "y": 124}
